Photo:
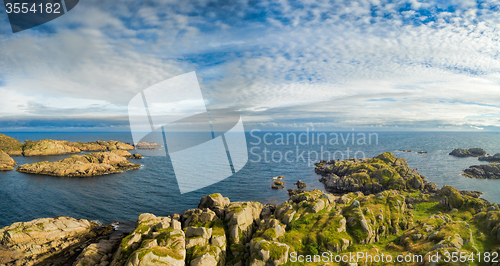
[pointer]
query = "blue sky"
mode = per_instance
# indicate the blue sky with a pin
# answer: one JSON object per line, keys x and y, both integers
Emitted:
{"x": 332, "y": 65}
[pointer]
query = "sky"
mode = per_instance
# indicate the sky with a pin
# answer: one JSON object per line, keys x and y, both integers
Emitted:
{"x": 282, "y": 64}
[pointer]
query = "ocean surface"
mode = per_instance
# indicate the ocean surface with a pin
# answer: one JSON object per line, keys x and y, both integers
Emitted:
{"x": 153, "y": 188}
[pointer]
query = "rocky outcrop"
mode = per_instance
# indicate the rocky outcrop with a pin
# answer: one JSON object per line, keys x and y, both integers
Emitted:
{"x": 240, "y": 219}
{"x": 473, "y": 152}
{"x": 126, "y": 154}
{"x": 486, "y": 171}
{"x": 98, "y": 254}
{"x": 92, "y": 164}
{"x": 47, "y": 147}
{"x": 147, "y": 146}
{"x": 11, "y": 146}
{"x": 383, "y": 172}
{"x": 32, "y": 242}
{"x": 493, "y": 159}
{"x": 56, "y": 147}
{"x": 100, "y": 145}
{"x": 6, "y": 163}
{"x": 205, "y": 237}
{"x": 155, "y": 240}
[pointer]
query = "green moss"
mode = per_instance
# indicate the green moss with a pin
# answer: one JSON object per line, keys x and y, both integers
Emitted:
{"x": 166, "y": 251}
{"x": 143, "y": 228}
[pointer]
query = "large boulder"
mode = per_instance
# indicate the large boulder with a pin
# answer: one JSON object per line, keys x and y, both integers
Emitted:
{"x": 47, "y": 147}
{"x": 11, "y": 146}
{"x": 92, "y": 164}
{"x": 98, "y": 253}
{"x": 6, "y": 163}
{"x": 29, "y": 243}
{"x": 473, "y": 152}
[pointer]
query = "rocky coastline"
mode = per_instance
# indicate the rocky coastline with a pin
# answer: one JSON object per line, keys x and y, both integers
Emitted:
{"x": 472, "y": 152}
{"x": 92, "y": 164}
{"x": 110, "y": 157}
{"x": 403, "y": 214}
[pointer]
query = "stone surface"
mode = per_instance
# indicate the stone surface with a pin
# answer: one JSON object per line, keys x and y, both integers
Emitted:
{"x": 92, "y": 164}
{"x": 29, "y": 243}
{"x": 6, "y": 162}
{"x": 11, "y": 146}
{"x": 47, "y": 147}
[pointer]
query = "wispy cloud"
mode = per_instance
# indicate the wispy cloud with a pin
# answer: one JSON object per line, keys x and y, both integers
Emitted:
{"x": 366, "y": 63}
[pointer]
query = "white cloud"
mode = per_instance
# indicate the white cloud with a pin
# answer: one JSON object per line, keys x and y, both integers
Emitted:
{"x": 440, "y": 66}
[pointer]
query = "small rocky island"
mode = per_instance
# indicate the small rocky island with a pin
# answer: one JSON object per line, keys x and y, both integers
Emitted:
{"x": 485, "y": 171}
{"x": 93, "y": 164}
{"x": 472, "y": 152}
{"x": 389, "y": 209}
{"x": 492, "y": 159}
{"x": 81, "y": 166}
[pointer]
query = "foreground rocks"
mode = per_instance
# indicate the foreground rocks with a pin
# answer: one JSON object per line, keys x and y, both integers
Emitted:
{"x": 32, "y": 242}
{"x": 6, "y": 162}
{"x": 92, "y": 164}
{"x": 11, "y": 146}
{"x": 473, "y": 152}
{"x": 486, "y": 171}
{"x": 408, "y": 219}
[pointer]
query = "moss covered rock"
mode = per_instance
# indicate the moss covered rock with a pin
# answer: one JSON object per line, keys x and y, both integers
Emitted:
{"x": 11, "y": 146}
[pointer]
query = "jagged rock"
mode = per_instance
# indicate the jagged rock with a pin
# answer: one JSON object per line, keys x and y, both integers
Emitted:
{"x": 473, "y": 152}
{"x": 6, "y": 163}
{"x": 153, "y": 239}
{"x": 97, "y": 253}
{"x": 205, "y": 237}
{"x": 147, "y": 146}
{"x": 265, "y": 252}
{"x": 487, "y": 171}
{"x": 494, "y": 158}
{"x": 11, "y": 146}
{"x": 216, "y": 202}
{"x": 29, "y": 243}
{"x": 81, "y": 165}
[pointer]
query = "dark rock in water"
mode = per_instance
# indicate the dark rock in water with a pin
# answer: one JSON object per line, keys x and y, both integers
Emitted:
{"x": 473, "y": 152}
{"x": 494, "y": 158}
{"x": 486, "y": 171}
{"x": 421, "y": 152}
{"x": 92, "y": 164}
{"x": 277, "y": 187}
{"x": 300, "y": 184}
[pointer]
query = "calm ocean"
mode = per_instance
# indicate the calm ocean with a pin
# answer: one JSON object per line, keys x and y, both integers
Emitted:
{"x": 153, "y": 188}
